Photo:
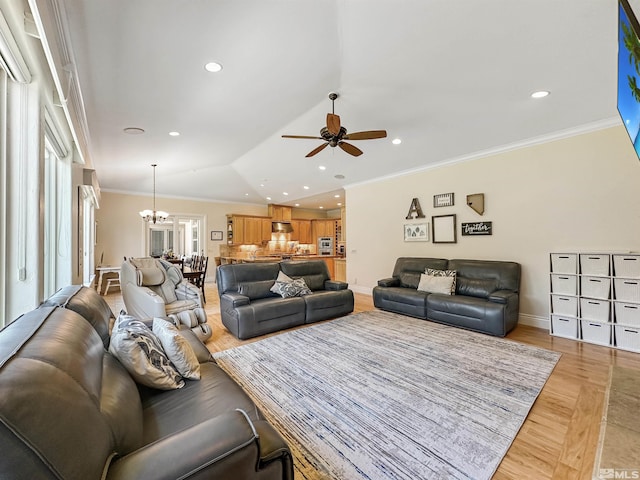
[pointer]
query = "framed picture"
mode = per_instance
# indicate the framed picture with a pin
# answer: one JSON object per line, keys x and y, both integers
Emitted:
{"x": 444, "y": 228}
{"x": 443, "y": 200}
{"x": 416, "y": 232}
{"x": 216, "y": 235}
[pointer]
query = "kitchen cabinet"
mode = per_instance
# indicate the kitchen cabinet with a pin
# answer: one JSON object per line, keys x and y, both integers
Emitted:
{"x": 301, "y": 231}
{"x": 323, "y": 228}
{"x": 243, "y": 229}
{"x": 340, "y": 265}
{"x": 331, "y": 267}
{"x": 280, "y": 213}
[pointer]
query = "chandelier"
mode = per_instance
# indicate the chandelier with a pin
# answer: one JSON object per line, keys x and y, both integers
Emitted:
{"x": 154, "y": 216}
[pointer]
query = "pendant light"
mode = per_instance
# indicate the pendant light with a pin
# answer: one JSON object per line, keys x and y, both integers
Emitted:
{"x": 154, "y": 216}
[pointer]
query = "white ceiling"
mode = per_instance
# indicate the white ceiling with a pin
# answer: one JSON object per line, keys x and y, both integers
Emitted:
{"x": 452, "y": 79}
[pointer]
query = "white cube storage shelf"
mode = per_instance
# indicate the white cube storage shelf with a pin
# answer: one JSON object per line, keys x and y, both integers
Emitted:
{"x": 564, "y": 284}
{"x": 566, "y": 327}
{"x": 627, "y": 289}
{"x": 595, "y": 310}
{"x": 595, "y": 298}
{"x": 595, "y": 264}
{"x": 596, "y": 332}
{"x": 627, "y": 338}
{"x": 564, "y": 305}
{"x": 626, "y": 266}
{"x": 627, "y": 313}
{"x": 595, "y": 287}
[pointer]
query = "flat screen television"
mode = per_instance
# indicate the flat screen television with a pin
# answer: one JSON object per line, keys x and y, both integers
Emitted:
{"x": 629, "y": 72}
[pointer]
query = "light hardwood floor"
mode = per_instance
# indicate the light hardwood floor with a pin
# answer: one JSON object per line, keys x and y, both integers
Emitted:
{"x": 559, "y": 437}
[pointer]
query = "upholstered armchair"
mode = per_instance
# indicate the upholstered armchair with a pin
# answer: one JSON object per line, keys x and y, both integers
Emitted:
{"x": 152, "y": 287}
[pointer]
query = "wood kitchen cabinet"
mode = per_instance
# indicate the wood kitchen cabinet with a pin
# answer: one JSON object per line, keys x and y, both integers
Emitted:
{"x": 280, "y": 213}
{"x": 242, "y": 229}
{"x": 301, "y": 231}
{"x": 323, "y": 228}
{"x": 340, "y": 269}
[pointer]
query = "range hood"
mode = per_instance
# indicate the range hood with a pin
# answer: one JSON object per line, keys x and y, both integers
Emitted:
{"x": 281, "y": 227}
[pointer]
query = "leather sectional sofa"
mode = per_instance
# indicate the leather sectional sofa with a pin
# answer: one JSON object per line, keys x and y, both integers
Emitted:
{"x": 486, "y": 295}
{"x": 69, "y": 409}
{"x": 249, "y": 307}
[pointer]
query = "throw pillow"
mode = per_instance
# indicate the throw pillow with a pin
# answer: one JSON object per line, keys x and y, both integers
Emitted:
{"x": 294, "y": 288}
{"x": 282, "y": 278}
{"x": 444, "y": 273}
{"x": 141, "y": 353}
{"x": 177, "y": 349}
{"x": 435, "y": 284}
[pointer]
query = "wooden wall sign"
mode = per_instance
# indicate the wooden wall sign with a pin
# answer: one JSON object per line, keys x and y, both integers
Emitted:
{"x": 414, "y": 209}
{"x": 477, "y": 228}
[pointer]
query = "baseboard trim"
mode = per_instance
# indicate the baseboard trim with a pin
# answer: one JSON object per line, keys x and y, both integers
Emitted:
{"x": 361, "y": 289}
{"x": 533, "y": 321}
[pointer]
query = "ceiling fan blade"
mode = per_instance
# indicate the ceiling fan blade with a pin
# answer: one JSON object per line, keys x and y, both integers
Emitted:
{"x": 333, "y": 123}
{"x": 350, "y": 149}
{"x": 302, "y": 136}
{"x": 368, "y": 135}
{"x": 316, "y": 150}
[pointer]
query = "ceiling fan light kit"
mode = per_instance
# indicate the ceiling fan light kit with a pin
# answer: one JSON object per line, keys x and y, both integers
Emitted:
{"x": 335, "y": 134}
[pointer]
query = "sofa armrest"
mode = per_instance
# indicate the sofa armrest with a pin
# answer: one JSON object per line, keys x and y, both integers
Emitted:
{"x": 335, "y": 285}
{"x": 389, "y": 282}
{"x": 226, "y": 446}
{"x": 235, "y": 299}
{"x": 502, "y": 296}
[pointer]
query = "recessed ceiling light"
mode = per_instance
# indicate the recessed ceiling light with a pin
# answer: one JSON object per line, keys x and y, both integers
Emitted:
{"x": 262, "y": 184}
{"x": 213, "y": 67}
{"x": 268, "y": 198}
{"x": 396, "y": 141}
{"x": 297, "y": 205}
{"x": 246, "y": 194}
{"x": 336, "y": 196}
{"x": 285, "y": 193}
{"x": 339, "y": 204}
{"x": 540, "y": 94}
{"x": 306, "y": 187}
{"x": 322, "y": 167}
{"x": 174, "y": 134}
{"x": 133, "y": 131}
{"x": 320, "y": 207}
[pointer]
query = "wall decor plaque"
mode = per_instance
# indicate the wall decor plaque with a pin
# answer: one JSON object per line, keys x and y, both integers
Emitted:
{"x": 416, "y": 232}
{"x": 216, "y": 235}
{"x": 477, "y": 228}
{"x": 443, "y": 200}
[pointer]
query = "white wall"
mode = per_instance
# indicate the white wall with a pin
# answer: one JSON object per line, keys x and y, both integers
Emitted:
{"x": 576, "y": 194}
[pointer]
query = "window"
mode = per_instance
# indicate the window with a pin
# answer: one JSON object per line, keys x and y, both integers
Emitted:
{"x": 182, "y": 234}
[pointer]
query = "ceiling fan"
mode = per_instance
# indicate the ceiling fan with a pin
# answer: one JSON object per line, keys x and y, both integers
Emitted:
{"x": 335, "y": 134}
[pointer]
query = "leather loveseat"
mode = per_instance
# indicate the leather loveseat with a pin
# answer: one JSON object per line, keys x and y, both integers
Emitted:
{"x": 249, "y": 307}
{"x": 486, "y": 295}
{"x": 69, "y": 409}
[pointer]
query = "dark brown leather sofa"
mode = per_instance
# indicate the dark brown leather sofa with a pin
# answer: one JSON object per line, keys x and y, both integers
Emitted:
{"x": 69, "y": 410}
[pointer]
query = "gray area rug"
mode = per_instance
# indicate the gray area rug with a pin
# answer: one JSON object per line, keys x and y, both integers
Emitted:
{"x": 377, "y": 395}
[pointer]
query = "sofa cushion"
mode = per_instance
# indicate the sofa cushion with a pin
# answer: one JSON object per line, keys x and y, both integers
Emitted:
{"x": 177, "y": 349}
{"x": 476, "y": 287}
{"x": 444, "y": 273}
{"x": 257, "y": 290}
{"x": 435, "y": 284}
{"x": 410, "y": 279}
{"x": 141, "y": 353}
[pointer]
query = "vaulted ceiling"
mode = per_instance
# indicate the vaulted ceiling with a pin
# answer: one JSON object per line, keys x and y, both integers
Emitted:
{"x": 452, "y": 80}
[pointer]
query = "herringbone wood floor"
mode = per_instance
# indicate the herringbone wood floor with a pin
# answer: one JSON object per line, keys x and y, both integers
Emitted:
{"x": 559, "y": 437}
